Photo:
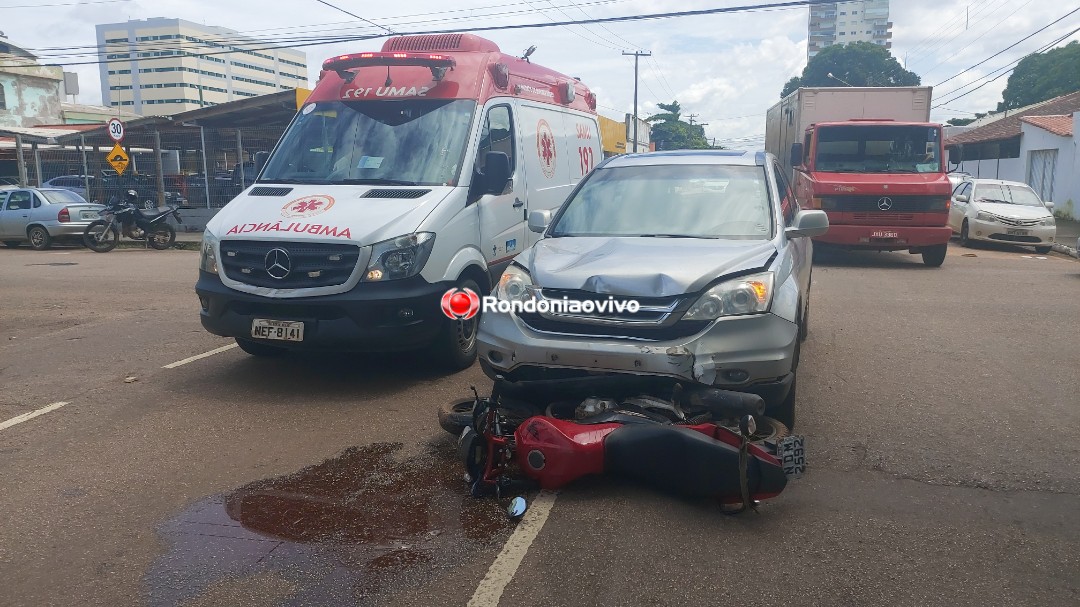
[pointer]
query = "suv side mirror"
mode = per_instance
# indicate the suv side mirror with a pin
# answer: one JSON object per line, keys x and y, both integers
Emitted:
{"x": 496, "y": 172}
{"x": 539, "y": 220}
{"x": 796, "y": 154}
{"x": 808, "y": 223}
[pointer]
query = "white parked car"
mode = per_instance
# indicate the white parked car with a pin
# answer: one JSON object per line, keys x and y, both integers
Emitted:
{"x": 1002, "y": 211}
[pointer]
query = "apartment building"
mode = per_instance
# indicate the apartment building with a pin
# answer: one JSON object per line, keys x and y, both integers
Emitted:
{"x": 853, "y": 21}
{"x": 160, "y": 66}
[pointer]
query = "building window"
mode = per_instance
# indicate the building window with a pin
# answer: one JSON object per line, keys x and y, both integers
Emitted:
{"x": 3, "y": 99}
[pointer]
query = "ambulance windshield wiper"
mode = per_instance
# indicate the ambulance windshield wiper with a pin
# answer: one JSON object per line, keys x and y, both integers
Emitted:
{"x": 373, "y": 181}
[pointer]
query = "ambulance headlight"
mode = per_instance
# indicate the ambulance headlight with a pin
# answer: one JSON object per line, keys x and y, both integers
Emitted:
{"x": 208, "y": 253}
{"x": 400, "y": 257}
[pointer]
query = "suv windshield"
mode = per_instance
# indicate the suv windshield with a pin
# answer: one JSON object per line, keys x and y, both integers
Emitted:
{"x": 673, "y": 201}
{"x": 1012, "y": 194}
{"x": 414, "y": 142}
{"x": 878, "y": 149}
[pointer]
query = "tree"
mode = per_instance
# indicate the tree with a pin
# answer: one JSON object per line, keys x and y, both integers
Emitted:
{"x": 857, "y": 63}
{"x": 670, "y": 132}
{"x": 1043, "y": 76}
{"x": 965, "y": 121}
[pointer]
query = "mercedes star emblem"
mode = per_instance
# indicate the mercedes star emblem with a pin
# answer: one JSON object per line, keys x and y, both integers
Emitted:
{"x": 278, "y": 264}
{"x": 884, "y": 204}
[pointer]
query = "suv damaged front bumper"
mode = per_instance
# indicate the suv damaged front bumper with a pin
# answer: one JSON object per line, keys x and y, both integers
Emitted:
{"x": 748, "y": 353}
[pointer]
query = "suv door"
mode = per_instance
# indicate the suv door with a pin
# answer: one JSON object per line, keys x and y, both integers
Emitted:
{"x": 502, "y": 216}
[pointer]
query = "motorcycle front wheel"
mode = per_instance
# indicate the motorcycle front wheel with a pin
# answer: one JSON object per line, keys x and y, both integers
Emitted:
{"x": 161, "y": 237}
{"x": 100, "y": 238}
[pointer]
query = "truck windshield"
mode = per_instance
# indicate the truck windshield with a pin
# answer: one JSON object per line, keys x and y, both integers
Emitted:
{"x": 878, "y": 149}
{"x": 413, "y": 142}
{"x": 670, "y": 201}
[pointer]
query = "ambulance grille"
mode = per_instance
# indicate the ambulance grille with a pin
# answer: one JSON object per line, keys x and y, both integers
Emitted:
{"x": 263, "y": 191}
{"x": 395, "y": 193}
{"x": 443, "y": 42}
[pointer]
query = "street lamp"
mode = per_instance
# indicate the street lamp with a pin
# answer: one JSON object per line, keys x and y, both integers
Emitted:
{"x": 830, "y": 75}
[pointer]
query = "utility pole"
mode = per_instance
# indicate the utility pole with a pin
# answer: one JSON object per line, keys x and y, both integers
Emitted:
{"x": 637, "y": 55}
{"x": 690, "y": 118}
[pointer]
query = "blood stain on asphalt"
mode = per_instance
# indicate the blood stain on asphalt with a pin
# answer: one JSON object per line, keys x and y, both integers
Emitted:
{"x": 347, "y": 530}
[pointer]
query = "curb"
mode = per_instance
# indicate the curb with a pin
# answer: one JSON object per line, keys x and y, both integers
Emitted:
{"x": 184, "y": 245}
{"x": 1067, "y": 250}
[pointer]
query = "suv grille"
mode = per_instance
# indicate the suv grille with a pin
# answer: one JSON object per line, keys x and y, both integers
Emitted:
{"x": 899, "y": 204}
{"x": 656, "y": 320}
{"x": 304, "y": 265}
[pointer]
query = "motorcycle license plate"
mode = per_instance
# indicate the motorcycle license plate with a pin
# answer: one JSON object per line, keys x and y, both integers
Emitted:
{"x": 791, "y": 452}
{"x": 1017, "y": 232}
{"x": 281, "y": 330}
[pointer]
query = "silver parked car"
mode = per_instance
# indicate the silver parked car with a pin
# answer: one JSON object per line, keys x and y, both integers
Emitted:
{"x": 712, "y": 248}
{"x": 41, "y": 215}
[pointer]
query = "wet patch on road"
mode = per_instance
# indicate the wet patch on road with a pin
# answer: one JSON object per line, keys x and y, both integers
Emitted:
{"x": 350, "y": 530}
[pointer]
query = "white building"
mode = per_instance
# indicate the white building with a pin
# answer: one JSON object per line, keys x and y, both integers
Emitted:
{"x": 853, "y": 21}
{"x": 1035, "y": 145}
{"x": 166, "y": 66}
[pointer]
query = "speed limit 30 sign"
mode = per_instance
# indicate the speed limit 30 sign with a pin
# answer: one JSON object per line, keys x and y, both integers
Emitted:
{"x": 116, "y": 130}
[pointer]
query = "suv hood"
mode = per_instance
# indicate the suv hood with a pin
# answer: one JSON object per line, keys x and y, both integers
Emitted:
{"x": 323, "y": 213}
{"x": 642, "y": 267}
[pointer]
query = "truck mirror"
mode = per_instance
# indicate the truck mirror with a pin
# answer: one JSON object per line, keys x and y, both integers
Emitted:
{"x": 956, "y": 155}
{"x": 496, "y": 172}
{"x": 796, "y": 154}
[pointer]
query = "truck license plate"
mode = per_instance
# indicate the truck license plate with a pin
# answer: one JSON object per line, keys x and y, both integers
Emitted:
{"x": 282, "y": 330}
{"x": 791, "y": 452}
{"x": 884, "y": 234}
{"x": 1017, "y": 232}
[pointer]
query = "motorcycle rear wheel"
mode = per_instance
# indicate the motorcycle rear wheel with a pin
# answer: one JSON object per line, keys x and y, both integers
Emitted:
{"x": 99, "y": 238}
{"x": 162, "y": 237}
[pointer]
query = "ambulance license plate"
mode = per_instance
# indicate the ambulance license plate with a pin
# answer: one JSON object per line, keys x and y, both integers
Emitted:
{"x": 281, "y": 330}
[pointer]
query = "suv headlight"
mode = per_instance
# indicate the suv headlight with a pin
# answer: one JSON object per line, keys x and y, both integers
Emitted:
{"x": 515, "y": 284}
{"x": 208, "y": 254}
{"x": 399, "y": 257}
{"x": 981, "y": 216}
{"x": 744, "y": 295}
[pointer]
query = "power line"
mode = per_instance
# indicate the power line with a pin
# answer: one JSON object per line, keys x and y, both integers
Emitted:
{"x": 934, "y": 46}
{"x": 921, "y": 43}
{"x": 1025, "y": 38}
{"x": 625, "y": 18}
{"x": 976, "y": 39}
{"x": 63, "y": 4}
{"x": 338, "y": 8}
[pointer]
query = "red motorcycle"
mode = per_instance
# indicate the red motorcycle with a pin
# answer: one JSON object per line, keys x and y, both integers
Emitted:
{"x": 700, "y": 442}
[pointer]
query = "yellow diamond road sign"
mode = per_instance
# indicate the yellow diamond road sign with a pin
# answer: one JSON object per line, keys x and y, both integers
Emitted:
{"x": 118, "y": 158}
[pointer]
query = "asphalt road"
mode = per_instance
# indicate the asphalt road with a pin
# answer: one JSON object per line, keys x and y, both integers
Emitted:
{"x": 941, "y": 409}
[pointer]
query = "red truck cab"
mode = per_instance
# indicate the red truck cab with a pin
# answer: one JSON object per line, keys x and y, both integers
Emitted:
{"x": 883, "y": 184}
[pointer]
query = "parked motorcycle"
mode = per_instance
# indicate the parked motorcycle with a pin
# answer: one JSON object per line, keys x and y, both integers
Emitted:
{"x": 701, "y": 442}
{"x": 125, "y": 217}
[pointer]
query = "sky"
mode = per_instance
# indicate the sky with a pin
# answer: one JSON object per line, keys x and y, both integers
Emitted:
{"x": 727, "y": 69}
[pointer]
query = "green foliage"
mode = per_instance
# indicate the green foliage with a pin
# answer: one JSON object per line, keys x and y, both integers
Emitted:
{"x": 1043, "y": 76}
{"x": 857, "y": 63}
{"x": 669, "y": 132}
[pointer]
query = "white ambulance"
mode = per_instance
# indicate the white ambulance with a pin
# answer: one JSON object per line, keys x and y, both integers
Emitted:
{"x": 407, "y": 173}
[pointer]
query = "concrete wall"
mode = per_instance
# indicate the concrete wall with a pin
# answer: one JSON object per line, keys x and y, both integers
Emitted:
{"x": 1066, "y": 195}
{"x": 31, "y": 93}
{"x": 1011, "y": 169}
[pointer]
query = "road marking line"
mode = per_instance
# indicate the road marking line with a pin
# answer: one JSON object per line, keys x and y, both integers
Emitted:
{"x": 199, "y": 357}
{"x": 506, "y": 564}
{"x": 18, "y": 419}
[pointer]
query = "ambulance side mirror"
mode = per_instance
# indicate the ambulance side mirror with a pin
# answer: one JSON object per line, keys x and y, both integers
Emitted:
{"x": 496, "y": 172}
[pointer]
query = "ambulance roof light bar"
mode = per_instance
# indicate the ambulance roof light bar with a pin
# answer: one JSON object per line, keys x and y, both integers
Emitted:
{"x": 438, "y": 63}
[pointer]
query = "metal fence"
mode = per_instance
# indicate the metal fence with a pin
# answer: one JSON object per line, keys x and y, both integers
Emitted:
{"x": 192, "y": 166}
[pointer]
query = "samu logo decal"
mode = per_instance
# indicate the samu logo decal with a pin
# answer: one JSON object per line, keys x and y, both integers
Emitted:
{"x": 307, "y": 206}
{"x": 545, "y": 148}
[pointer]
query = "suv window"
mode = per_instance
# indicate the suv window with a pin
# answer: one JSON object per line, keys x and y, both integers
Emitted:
{"x": 788, "y": 206}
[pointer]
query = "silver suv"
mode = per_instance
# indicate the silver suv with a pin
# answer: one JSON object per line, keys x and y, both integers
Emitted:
{"x": 690, "y": 266}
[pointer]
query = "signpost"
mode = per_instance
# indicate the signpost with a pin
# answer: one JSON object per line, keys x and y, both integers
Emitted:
{"x": 117, "y": 157}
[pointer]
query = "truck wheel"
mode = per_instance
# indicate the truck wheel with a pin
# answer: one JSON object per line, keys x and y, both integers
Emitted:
{"x": 39, "y": 238}
{"x": 934, "y": 256}
{"x": 1043, "y": 250}
{"x": 965, "y": 240}
{"x": 255, "y": 348}
{"x": 455, "y": 347}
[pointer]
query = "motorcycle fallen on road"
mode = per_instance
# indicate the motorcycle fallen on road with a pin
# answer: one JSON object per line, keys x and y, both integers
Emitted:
{"x": 125, "y": 217}
{"x": 698, "y": 442}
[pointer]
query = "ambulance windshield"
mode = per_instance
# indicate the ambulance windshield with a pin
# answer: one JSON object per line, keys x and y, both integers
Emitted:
{"x": 404, "y": 142}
